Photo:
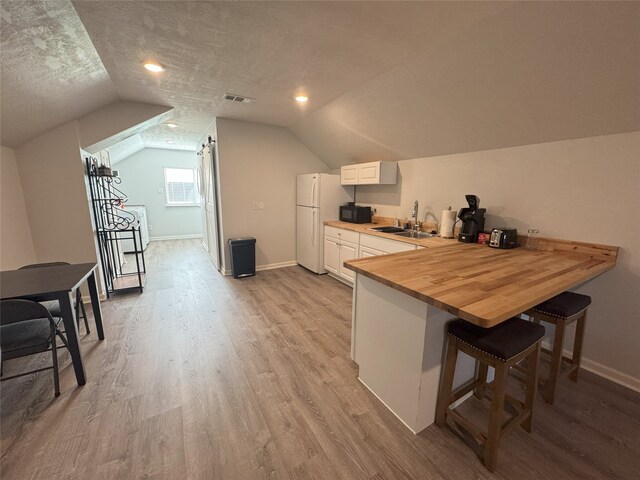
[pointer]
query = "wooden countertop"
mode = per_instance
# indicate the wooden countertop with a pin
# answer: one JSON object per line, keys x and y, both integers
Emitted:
{"x": 480, "y": 284}
{"x": 365, "y": 228}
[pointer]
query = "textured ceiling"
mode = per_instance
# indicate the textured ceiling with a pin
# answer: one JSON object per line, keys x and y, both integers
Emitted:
{"x": 265, "y": 50}
{"x": 535, "y": 73}
{"x": 49, "y": 70}
{"x": 387, "y": 80}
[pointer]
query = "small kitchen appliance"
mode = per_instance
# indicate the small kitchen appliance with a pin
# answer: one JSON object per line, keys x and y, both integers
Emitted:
{"x": 483, "y": 238}
{"x": 353, "y": 213}
{"x": 472, "y": 220}
{"x": 504, "y": 238}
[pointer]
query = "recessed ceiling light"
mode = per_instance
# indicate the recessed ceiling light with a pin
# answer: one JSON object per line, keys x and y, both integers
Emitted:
{"x": 172, "y": 125}
{"x": 170, "y": 142}
{"x": 154, "y": 67}
{"x": 302, "y": 99}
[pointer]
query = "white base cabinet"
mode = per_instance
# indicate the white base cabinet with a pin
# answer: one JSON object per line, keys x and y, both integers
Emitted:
{"x": 371, "y": 245}
{"x": 369, "y": 252}
{"x": 348, "y": 251}
{"x": 339, "y": 246}
{"x": 399, "y": 351}
{"x": 332, "y": 255}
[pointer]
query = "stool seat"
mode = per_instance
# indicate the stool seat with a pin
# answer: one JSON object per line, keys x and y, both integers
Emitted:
{"x": 561, "y": 311}
{"x": 564, "y": 305}
{"x": 501, "y": 347}
{"x": 504, "y": 341}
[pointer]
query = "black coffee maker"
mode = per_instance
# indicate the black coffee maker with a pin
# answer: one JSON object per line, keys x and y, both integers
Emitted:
{"x": 472, "y": 220}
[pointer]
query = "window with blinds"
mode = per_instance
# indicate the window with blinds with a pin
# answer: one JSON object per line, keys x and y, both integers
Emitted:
{"x": 180, "y": 186}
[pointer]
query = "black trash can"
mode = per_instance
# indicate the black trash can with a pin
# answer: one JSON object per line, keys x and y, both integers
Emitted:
{"x": 243, "y": 256}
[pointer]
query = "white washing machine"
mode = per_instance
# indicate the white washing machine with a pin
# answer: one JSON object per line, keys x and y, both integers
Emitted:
{"x": 140, "y": 212}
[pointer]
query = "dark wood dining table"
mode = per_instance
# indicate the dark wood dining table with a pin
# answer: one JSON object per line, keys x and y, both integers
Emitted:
{"x": 58, "y": 283}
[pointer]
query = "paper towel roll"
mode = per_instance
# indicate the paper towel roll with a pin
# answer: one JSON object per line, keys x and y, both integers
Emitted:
{"x": 446, "y": 224}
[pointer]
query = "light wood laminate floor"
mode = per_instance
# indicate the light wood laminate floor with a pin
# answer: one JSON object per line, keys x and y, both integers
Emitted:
{"x": 207, "y": 377}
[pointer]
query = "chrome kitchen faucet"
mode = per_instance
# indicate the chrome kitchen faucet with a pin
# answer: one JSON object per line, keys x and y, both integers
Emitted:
{"x": 414, "y": 214}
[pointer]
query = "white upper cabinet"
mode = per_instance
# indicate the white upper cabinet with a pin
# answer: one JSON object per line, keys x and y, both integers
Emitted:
{"x": 349, "y": 175}
{"x": 372, "y": 173}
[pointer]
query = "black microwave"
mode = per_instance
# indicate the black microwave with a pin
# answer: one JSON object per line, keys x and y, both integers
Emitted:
{"x": 355, "y": 214}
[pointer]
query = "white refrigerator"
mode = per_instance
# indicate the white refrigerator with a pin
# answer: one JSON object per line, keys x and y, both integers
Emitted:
{"x": 318, "y": 198}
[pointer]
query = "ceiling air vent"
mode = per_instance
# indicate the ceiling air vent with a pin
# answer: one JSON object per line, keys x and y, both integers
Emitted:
{"x": 232, "y": 97}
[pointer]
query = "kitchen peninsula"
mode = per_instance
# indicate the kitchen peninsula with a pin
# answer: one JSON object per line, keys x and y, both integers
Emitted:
{"x": 402, "y": 303}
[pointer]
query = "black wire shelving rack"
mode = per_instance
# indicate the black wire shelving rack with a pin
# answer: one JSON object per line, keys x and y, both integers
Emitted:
{"x": 112, "y": 224}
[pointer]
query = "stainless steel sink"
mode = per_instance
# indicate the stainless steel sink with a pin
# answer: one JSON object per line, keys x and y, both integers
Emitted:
{"x": 412, "y": 234}
{"x": 387, "y": 229}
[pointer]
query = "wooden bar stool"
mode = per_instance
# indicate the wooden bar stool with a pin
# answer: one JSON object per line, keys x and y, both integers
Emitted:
{"x": 500, "y": 347}
{"x": 562, "y": 310}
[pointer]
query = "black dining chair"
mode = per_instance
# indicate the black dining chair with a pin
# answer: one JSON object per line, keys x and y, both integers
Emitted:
{"x": 27, "y": 328}
{"x": 53, "y": 305}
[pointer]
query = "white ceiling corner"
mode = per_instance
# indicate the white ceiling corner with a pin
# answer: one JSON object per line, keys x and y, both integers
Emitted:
{"x": 129, "y": 146}
{"x": 125, "y": 148}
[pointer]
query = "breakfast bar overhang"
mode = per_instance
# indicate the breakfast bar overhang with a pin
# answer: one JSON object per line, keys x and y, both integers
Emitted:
{"x": 402, "y": 303}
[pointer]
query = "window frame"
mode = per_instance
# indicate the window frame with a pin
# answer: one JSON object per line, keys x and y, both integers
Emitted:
{"x": 168, "y": 203}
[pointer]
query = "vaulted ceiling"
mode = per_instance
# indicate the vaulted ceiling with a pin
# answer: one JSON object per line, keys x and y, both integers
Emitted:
{"x": 539, "y": 72}
{"x": 49, "y": 71}
{"x": 386, "y": 80}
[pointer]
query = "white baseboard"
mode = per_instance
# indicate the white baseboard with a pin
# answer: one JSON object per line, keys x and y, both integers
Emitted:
{"x": 269, "y": 266}
{"x": 86, "y": 299}
{"x": 609, "y": 373}
{"x": 603, "y": 371}
{"x": 175, "y": 237}
{"x": 340, "y": 279}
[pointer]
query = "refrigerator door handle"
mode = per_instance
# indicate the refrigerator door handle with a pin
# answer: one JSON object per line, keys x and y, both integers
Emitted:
{"x": 313, "y": 229}
{"x": 313, "y": 193}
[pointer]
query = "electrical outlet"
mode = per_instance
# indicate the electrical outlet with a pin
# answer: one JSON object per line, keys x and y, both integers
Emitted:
{"x": 160, "y": 190}
{"x": 150, "y": 227}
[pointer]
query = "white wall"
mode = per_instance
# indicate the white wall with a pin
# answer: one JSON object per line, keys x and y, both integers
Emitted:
{"x": 259, "y": 163}
{"x": 52, "y": 173}
{"x": 586, "y": 189}
{"x": 143, "y": 175}
{"x": 16, "y": 244}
